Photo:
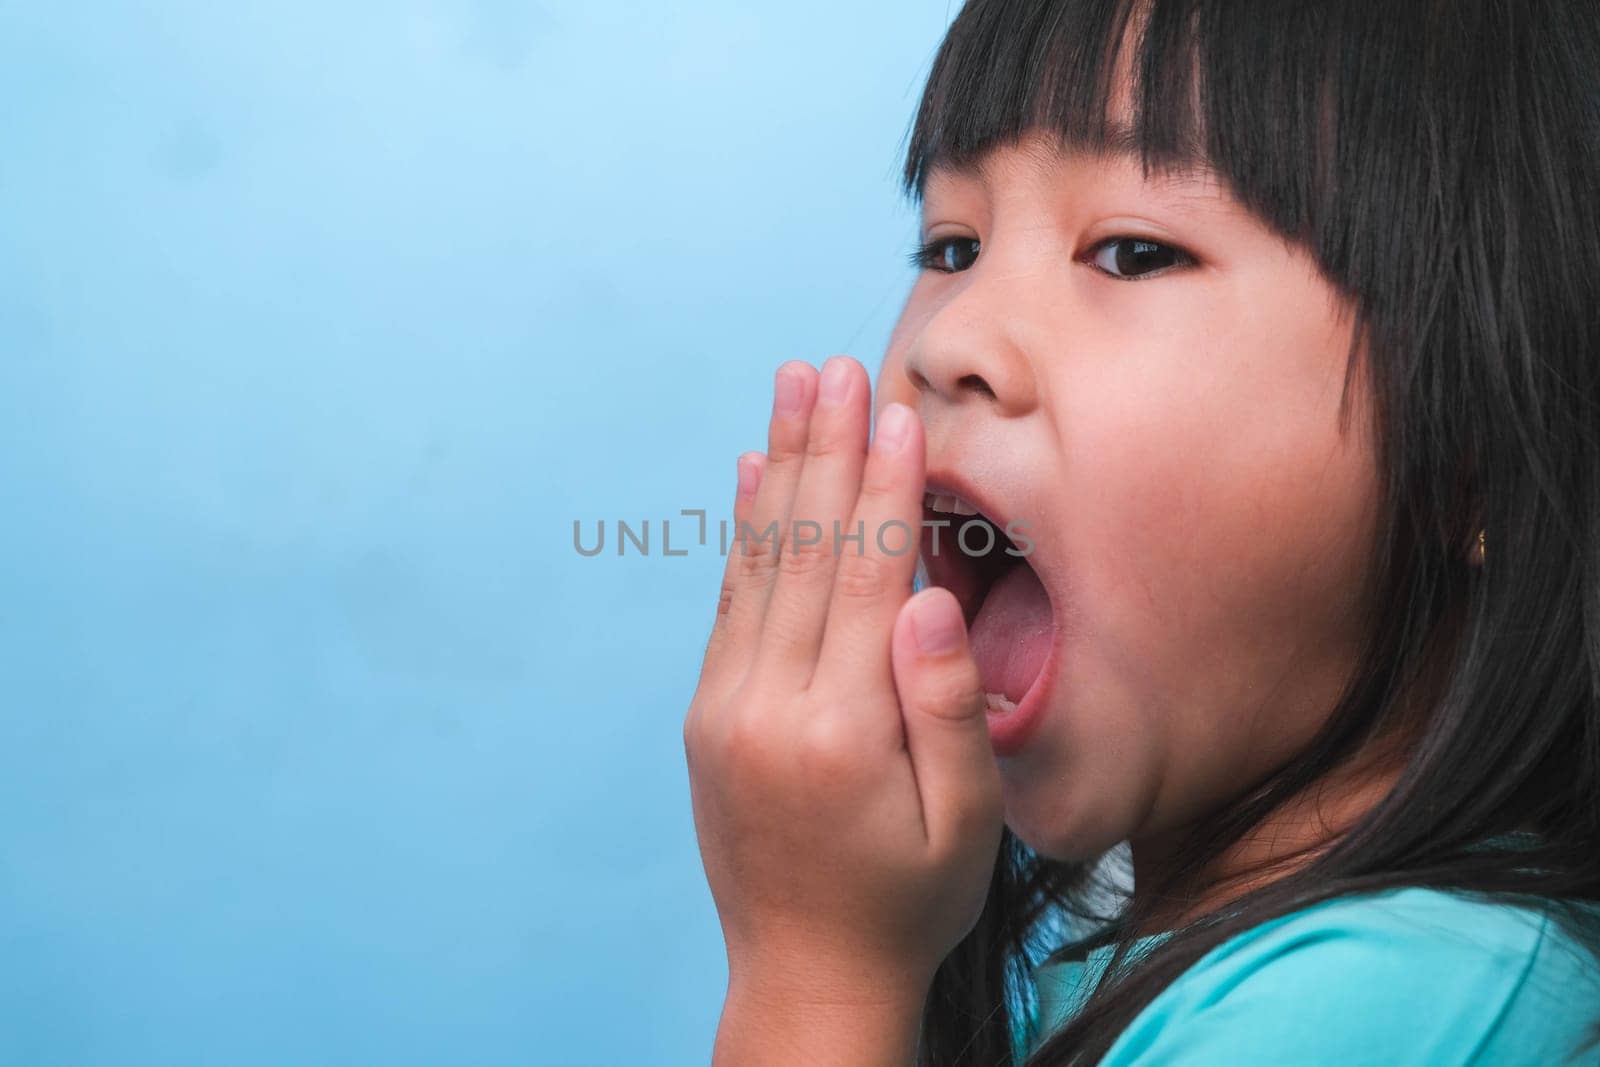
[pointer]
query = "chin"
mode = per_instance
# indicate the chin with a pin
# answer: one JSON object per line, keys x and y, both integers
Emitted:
{"x": 1063, "y": 824}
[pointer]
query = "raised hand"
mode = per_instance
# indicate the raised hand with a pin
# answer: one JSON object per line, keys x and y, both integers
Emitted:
{"x": 846, "y": 797}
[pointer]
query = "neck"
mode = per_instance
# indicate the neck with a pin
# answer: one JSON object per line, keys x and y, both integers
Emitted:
{"x": 1290, "y": 838}
{"x": 1299, "y": 830}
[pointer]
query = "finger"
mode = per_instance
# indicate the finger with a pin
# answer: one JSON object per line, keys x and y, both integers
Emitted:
{"x": 873, "y": 577}
{"x": 753, "y": 554}
{"x": 726, "y": 641}
{"x": 830, "y": 481}
{"x": 947, "y": 735}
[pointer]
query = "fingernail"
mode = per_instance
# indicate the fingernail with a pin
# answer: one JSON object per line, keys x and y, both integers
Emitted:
{"x": 937, "y": 625}
{"x": 835, "y": 382}
{"x": 789, "y": 393}
{"x": 894, "y": 426}
{"x": 749, "y": 475}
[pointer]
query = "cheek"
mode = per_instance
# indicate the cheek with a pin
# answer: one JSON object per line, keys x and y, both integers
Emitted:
{"x": 1220, "y": 523}
{"x": 1198, "y": 509}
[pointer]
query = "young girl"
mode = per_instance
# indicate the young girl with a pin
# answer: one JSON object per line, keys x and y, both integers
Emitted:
{"x": 1252, "y": 380}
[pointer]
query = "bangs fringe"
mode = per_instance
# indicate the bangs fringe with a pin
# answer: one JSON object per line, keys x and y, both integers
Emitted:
{"x": 1257, "y": 92}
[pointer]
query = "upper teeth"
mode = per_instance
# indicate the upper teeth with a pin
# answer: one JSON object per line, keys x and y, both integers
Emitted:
{"x": 947, "y": 503}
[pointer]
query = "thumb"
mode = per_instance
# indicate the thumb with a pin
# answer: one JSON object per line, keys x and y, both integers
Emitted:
{"x": 941, "y": 700}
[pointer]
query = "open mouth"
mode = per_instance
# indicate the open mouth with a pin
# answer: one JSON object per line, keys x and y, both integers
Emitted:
{"x": 1009, "y": 617}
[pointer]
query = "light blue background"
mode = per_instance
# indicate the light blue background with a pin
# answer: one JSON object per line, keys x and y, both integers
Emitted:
{"x": 319, "y": 325}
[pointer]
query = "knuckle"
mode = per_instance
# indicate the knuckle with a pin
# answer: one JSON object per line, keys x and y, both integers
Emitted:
{"x": 704, "y": 728}
{"x": 959, "y": 693}
{"x": 878, "y": 481}
{"x": 827, "y": 442}
{"x": 748, "y": 746}
{"x": 757, "y": 558}
{"x": 691, "y": 733}
{"x": 785, "y": 450}
{"x": 827, "y": 750}
{"x": 863, "y": 577}
{"x": 804, "y": 558}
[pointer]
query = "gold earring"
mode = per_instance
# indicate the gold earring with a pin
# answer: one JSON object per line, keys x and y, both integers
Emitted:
{"x": 1482, "y": 548}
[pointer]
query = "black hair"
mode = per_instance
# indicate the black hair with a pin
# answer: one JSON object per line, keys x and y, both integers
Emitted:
{"x": 1438, "y": 161}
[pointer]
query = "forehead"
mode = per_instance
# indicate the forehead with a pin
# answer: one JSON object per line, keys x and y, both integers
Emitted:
{"x": 1050, "y": 151}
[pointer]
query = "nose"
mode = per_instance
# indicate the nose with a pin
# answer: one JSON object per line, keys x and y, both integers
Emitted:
{"x": 969, "y": 351}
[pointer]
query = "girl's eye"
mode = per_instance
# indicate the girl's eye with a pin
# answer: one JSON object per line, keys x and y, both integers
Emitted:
{"x": 1134, "y": 258}
{"x": 1124, "y": 258}
{"x": 947, "y": 255}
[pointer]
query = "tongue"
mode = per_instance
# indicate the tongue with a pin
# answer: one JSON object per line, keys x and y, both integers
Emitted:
{"x": 1011, "y": 634}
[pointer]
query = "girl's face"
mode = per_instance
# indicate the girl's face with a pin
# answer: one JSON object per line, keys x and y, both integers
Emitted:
{"x": 1149, "y": 379}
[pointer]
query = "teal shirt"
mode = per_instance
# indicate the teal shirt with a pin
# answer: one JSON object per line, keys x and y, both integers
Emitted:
{"x": 1396, "y": 978}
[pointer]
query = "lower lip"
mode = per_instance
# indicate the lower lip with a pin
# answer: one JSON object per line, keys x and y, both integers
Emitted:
{"x": 1009, "y": 731}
